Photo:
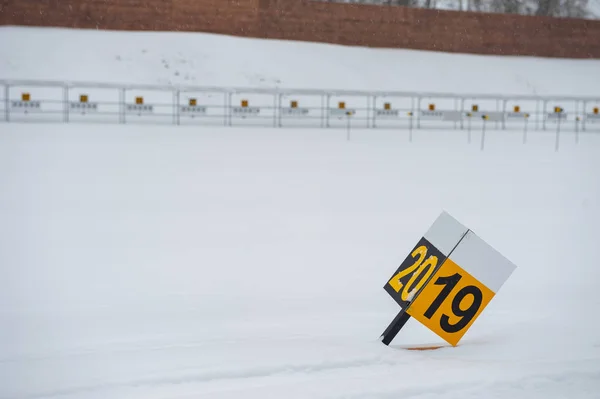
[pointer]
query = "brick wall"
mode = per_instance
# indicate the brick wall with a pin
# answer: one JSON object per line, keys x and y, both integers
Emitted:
{"x": 236, "y": 17}
{"x": 349, "y": 24}
{"x": 414, "y": 28}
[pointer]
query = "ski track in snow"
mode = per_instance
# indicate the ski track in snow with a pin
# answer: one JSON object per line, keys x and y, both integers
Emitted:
{"x": 552, "y": 384}
{"x": 187, "y": 376}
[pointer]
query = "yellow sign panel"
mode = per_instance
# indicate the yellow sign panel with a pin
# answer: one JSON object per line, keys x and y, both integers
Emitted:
{"x": 517, "y": 108}
{"x": 387, "y": 106}
{"x": 475, "y": 108}
{"x": 193, "y": 102}
{"x": 432, "y": 107}
{"x": 25, "y": 97}
{"x": 294, "y": 104}
{"x": 451, "y": 302}
{"x": 341, "y": 105}
{"x": 139, "y": 100}
{"x": 596, "y": 110}
{"x": 244, "y": 103}
{"x": 558, "y": 109}
{"x": 83, "y": 98}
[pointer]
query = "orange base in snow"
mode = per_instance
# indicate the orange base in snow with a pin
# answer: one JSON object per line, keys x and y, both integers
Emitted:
{"x": 425, "y": 347}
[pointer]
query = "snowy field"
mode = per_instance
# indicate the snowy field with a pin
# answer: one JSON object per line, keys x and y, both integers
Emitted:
{"x": 161, "y": 262}
{"x": 202, "y": 65}
{"x": 153, "y": 262}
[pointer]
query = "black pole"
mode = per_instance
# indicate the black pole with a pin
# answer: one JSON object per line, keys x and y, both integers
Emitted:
{"x": 557, "y": 130}
{"x": 395, "y": 326}
{"x": 483, "y": 132}
{"x": 469, "y": 129}
{"x": 348, "y": 127}
{"x": 525, "y": 129}
{"x": 410, "y": 115}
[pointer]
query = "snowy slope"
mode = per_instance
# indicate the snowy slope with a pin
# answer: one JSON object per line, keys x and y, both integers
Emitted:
{"x": 198, "y": 262}
{"x": 213, "y": 60}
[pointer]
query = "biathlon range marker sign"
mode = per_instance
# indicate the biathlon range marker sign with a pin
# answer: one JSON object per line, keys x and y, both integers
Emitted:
{"x": 446, "y": 281}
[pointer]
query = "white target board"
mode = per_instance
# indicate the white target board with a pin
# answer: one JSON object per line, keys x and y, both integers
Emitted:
{"x": 592, "y": 117}
{"x": 557, "y": 116}
{"x": 295, "y": 112}
{"x": 387, "y": 113}
{"x": 84, "y": 108}
{"x": 193, "y": 110}
{"x": 139, "y": 109}
{"x": 516, "y": 116}
{"x": 339, "y": 112}
{"x": 26, "y": 106}
{"x": 452, "y": 116}
{"x": 244, "y": 112}
{"x": 432, "y": 115}
{"x": 494, "y": 116}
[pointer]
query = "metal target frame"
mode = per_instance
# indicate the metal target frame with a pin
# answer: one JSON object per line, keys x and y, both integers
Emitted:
{"x": 320, "y": 112}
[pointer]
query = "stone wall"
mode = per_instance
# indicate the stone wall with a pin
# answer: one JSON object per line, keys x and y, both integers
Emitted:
{"x": 306, "y": 20}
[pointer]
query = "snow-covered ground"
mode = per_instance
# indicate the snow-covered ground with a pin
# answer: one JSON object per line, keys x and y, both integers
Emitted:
{"x": 160, "y": 262}
{"x": 154, "y": 262}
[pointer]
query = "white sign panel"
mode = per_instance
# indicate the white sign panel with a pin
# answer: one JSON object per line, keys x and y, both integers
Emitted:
{"x": 555, "y": 116}
{"x": 494, "y": 116}
{"x": 453, "y": 116}
{"x": 482, "y": 261}
{"x": 25, "y": 106}
{"x": 432, "y": 115}
{"x": 387, "y": 113}
{"x": 246, "y": 111}
{"x": 84, "y": 108}
{"x": 294, "y": 111}
{"x": 342, "y": 112}
{"x": 515, "y": 115}
{"x": 445, "y": 233}
{"x": 139, "y": 109}
{"x": 592, "y": 117}
{"x": 193, "y": 110}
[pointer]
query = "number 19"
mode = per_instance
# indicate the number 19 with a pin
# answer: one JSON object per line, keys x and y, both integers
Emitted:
{"x": 466, "y": 315}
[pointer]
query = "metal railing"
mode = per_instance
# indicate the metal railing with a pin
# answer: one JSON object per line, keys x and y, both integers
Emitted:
{"x": 50, "y": 101}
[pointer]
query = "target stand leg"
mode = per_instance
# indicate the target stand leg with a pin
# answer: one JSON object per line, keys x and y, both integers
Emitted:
{"x": 395, "y": 326}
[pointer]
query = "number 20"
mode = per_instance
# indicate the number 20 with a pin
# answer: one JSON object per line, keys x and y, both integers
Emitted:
{"x": 465, "y": 315}
{"x": 418, "y": 272}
